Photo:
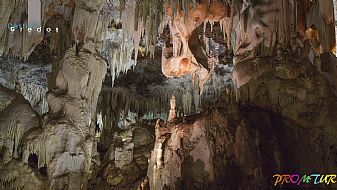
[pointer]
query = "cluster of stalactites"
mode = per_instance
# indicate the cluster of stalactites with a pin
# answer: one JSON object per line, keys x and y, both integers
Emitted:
{"x": 140, "y": 20}
{"x": 118, "y": 51}
{"x": 262, "y": 28}
{"x": 286, "y": 17}
{"x": 36, "y": 95}
{"x": 121, "y": 43}
{"x": 145, "y": 19}
{"x": 120, "y": 102}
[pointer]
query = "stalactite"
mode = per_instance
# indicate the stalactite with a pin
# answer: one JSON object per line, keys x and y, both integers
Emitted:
{"x": 212, "y": 24}
{"x": 143, "y": 18}
{"x": 132, "y": 27}
{"x": 119, "y": 53}
{"x": 146, "y": 17}
{"x": 122, "y": 102}
{"x": 36, "y": 95}
{"x": 121, "y": 43}
{"x": 28, "y": 79}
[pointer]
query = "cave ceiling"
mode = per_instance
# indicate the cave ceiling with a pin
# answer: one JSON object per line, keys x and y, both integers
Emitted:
{"x": 166, "y": 94}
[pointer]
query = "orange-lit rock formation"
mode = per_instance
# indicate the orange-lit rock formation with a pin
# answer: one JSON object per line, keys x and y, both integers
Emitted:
{"x": 178, "y": 60}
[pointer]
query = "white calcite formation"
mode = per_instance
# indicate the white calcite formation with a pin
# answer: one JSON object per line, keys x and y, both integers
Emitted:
{"x": 172, "y": 113}
{"x": 120, "y": 44}
{"x": 24, "y": 178}
{"x": 125, "y": 106}
{"x": 118, "y": 50}
{"x": 16, "y": 118}
{"x": 274, "y": 69}
{"x": 63, "y": 142}
{"x": 28, "y": 79}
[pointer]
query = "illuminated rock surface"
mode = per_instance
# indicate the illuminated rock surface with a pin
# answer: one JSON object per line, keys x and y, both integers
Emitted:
{"x": 91, "y": 106}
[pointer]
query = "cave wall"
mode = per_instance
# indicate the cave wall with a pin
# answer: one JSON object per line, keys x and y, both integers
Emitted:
{"x": 285, "y": 84}
{"x": 281, "y": 55}
{"x": 237, "y": 147}
{"x": 64, "y": 141}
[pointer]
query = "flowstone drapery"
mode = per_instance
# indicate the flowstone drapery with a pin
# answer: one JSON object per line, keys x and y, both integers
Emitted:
{"x": 63, "y": 143}
{"x": 285, "y": 87}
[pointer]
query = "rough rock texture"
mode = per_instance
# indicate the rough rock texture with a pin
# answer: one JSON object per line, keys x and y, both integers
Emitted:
{"x": 17, "y": 119}
{"x": 179, "y": 60}
{"x": 281, "y": 65}
{"x": 72, "y": 106}
{"x": 65, "y": 142}
{"x": 265, "y": 27}
{"x": 284, "y": 79}
{"x": 294, "y": 89}
{"x": 24, "y": 178}
{"x": 124, "y": 164}
{"x": 236, "y": 147}
{"x": 28, "y": 79}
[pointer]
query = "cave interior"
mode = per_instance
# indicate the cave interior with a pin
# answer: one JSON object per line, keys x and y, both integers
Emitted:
{"x": 168, "y": 94}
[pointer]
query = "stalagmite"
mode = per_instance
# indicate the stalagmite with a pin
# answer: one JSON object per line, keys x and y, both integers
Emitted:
{"x": 172, "y": 113}
{"x": 225, "y": 25}
{"x": 93, "y": 130}
{"x": 188, "y": 101}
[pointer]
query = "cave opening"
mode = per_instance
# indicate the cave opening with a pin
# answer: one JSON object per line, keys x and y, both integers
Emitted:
{"x": 33, "y": 161}
{"x": 43, "y": 171}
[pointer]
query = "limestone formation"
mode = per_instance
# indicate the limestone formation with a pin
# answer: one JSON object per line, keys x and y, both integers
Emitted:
{"x": 125, "y": 163}
{"x": 242, "y": 143}
{"x": 167, "y": 94}
{"x": 64, "y": 143}
{"x": 172, "y": 113}
{"x": 178, "y": 60}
